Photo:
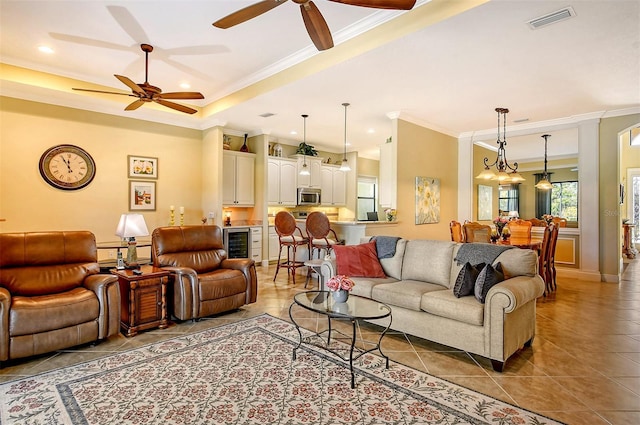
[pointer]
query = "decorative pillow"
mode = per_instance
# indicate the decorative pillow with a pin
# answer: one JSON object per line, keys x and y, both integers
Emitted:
{"x": 466, "y": 280}
{"x": 358, "y": 260}
{"x": 488, "y": 277}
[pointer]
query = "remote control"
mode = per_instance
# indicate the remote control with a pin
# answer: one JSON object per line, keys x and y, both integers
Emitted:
{"x": 137, "y": 272}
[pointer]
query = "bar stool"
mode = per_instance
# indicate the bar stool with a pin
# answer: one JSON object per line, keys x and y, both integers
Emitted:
{"x": 286, "y": 227}
{"x": 319, "y": 232}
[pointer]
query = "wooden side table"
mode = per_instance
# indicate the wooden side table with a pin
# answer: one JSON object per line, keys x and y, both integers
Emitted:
{"x": 143, "y": 299}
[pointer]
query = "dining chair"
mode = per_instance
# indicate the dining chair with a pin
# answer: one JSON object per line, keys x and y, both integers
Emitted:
{"x": 543, "y": 256}
{"x": 560, "y": 222}
{"x": 320, "y": 234}
{"x": 551, "y": 257}
{"x": 520, "y": 231}
{"x": 286, "y": 228}
{"x": 476, "y": 232}
{"x": 536, "y": 222}
{"x": 456, "y": 231}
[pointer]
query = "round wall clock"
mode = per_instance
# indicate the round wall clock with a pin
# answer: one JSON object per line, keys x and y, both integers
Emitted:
{"x": 67, "y": 167}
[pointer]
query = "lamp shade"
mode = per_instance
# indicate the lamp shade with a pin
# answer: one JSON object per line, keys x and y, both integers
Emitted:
{"x": 132, "y": 225}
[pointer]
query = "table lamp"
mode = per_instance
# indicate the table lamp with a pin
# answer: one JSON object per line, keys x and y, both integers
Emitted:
{"x": 130, "y": 226}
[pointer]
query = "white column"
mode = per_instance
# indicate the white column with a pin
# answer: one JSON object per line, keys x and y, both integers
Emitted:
{"x": 589, "y": 199}
{"x": 465, "y": 179}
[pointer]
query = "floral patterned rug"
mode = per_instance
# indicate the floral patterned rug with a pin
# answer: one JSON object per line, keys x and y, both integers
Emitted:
{"x": 243, "y": 373}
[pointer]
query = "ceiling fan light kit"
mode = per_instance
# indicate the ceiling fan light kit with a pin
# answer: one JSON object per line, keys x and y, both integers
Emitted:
{"x": 313, "y": 20}
{"x": 146, "y": 92}
{"x": 505, "y": 173}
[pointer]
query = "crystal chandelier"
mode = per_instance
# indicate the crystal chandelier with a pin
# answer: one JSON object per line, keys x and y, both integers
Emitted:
{"x": 506, "y": 173}
{"x": 544, "y": 183}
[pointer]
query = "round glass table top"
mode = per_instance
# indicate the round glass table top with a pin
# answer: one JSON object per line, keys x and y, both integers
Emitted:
{"x": 355, "y": 307}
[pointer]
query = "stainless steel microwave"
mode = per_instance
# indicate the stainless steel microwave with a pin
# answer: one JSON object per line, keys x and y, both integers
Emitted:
{"x": 308, "y": 196}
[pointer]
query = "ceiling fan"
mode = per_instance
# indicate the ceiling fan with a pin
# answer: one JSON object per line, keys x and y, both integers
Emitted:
{"x": 313, "y": 20}
{"x": 145, "y": 92}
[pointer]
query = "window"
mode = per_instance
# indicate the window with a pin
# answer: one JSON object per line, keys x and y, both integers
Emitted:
{"x": 564, "y": 200}
{"x": 508, "y": 197}
{"x": 367, "y": 196}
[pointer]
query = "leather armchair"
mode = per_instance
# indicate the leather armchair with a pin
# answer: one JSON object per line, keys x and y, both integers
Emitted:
{"x": 205, "y": 281}
{"x": 52, "y": 295}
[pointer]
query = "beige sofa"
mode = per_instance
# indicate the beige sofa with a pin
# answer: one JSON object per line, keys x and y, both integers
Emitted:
{"x": 419, "y": 289}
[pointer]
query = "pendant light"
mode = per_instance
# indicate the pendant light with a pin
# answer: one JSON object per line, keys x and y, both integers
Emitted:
{"x": 345, "y": 163}
{"x": 506, "y": 173}
{"x": 544, "y": 183}
{"x": 304, "y": 171}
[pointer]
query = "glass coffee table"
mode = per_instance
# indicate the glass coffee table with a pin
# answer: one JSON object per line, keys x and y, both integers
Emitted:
{"x": 355, "y": 309}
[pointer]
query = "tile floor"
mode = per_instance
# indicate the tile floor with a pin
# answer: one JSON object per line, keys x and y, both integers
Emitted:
{"x": 583, "y": 368}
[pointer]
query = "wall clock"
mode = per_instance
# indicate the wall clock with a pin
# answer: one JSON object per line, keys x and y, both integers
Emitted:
{"x": 67, "y": 167}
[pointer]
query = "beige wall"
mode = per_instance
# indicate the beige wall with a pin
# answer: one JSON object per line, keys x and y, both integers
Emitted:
{"x": 609, "y": 171}
{"x": 427, "y": 153}
{"x": 29, "y": 204}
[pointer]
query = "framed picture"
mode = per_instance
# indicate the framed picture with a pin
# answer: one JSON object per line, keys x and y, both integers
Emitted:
{"x": 142, "y": 195}
{"x": 142, "y": 167}
{"x": 427, "y": 200}
{"x": 485, "y": 202}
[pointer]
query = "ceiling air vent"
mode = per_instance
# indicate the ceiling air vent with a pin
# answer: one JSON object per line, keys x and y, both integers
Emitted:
{"x": 551, "y": 18}
{"x": 267, "y": 115}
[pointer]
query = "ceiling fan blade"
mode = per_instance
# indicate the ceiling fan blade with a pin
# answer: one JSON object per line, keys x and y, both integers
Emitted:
{"x": 134, "y": 105}
{"x": 247, "y": 13}
{"x": 181, "y": 95}
{"x": 176, "y": 106}
{"x": 316, "y": 26}
{"x": 133, "y": 86}
{"x": 381, "y": 4}
{"x": 106, "y": 92}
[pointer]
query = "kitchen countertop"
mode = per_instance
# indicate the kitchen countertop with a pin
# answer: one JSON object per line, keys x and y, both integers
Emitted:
{"x": 243, "y": 223}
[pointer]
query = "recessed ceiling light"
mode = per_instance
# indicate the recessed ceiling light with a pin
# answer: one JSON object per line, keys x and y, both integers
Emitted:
{"x": 294, "y": 132}
{"x": 45, "y": 49}
{"x": 185, "y": 85}
{"x": 371, "y": 131}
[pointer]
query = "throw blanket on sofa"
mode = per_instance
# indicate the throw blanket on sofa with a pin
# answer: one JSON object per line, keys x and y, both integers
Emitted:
{"x": 386, "y": 246}
{"x": 476, "y": 253}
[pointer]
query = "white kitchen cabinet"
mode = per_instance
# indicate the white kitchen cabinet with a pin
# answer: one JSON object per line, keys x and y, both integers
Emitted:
{"x": 274, "y": 244}
{"x": 256, "y": 245}
{"x": 334, "y": 186}
{"x": 238, "y": 179}
{"x": 281, "y": 179}
{"x": 314, "y": 165}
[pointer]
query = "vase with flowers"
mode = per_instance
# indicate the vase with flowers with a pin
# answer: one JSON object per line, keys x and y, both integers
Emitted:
{"x": 548, "y": 218}
{"x": 391, "y": 214}
{"x": 500, "y": 223}
{"x": 340, "y": 286}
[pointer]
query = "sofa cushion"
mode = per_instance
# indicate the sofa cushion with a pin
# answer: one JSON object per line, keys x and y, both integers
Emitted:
{"x": 406, "y": 293}
{"x": 364, "y": 285}
{"x": 488, "y": 277}
{"x": 428, "y": 261}
{"x": 358, "y": 260}
{"x": 445, "y": 304}
{"x": 466, "y": 280}
{"x": 518, "y": 262}
{"x": 393, "y": 266}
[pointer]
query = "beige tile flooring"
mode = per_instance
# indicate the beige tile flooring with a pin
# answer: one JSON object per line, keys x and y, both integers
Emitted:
{"x": 583, "y": 367}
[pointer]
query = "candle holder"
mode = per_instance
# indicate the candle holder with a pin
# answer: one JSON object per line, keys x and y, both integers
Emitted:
{"x": 181, "y": 219}
{"x": 227, "y": 219}
{"x": 172, "y": 218}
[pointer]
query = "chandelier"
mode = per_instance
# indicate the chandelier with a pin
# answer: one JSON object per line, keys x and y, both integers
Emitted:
{"x": 544, "y": 183}
{"x": 345, "y": 163}
{"x": 505, "y": 172}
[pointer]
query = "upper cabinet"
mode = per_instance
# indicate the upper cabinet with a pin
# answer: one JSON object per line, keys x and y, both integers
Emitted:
{"x": 333, "y": 185}
{"x": 281, "y": 179}
{"x": 314, "y": 166}
{"x": 238, "y": 179}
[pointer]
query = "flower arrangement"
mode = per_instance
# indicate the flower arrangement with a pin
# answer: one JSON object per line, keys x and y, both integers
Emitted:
{"x": 548, "y": 218}
{"x": 391, "y": 214}
{"x": 340, "y": 282}
{"x": 500, "y": 222}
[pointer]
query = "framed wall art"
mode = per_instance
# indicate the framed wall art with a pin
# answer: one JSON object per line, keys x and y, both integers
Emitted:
{"x": 427, "y": 200}
{"x": 142, "y": 167}
{"x": 142, "y": 195}
{"x": 485, "y": 202}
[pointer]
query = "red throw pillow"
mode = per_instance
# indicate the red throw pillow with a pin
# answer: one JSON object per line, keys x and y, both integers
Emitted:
{"x": 358, "y": 260}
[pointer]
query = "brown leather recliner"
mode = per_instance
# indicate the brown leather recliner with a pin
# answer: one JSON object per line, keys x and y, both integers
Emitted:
{"x": 205, "y": 281}
{"x": 52, "y": 295}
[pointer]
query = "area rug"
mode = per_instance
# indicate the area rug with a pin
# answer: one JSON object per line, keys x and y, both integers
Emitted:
{"x": 244, "y": 373}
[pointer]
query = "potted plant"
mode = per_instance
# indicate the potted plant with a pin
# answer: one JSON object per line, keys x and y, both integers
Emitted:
{"x": 305, "y": 149}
